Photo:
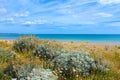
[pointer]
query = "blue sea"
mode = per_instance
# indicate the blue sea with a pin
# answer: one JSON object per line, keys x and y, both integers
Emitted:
{"x": 69, "y": 37}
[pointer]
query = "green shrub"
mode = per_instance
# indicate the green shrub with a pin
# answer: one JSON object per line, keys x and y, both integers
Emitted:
{"x": 45, "y": 51}
{"x": 76, "y": 63}
{"x": 26, "y": 44}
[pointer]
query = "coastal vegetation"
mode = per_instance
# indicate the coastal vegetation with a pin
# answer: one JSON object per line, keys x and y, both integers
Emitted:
{"x": 30, "y": 58}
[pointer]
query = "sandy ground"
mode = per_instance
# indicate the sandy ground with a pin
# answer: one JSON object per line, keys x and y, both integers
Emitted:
{"x": 8, "y": 41}
{"x": 86, "y": 44}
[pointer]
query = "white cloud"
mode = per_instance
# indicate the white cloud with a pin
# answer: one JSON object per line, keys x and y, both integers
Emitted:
{"x": 105, "y": 2}
{"x": 102, "y": 14}
{"x": 34, "y": 22}
{"x": 25, "y": 14}
{"x": 11, "y": 20}
{"x": 3, "y": 10}
{"x": 64, "y": 11}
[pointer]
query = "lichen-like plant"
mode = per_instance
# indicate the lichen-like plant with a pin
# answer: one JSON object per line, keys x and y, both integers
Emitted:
{"x": 76, "y": 63}
{"x": 41, "y": 74}
{"x": 28, "y": 72}
{"x": 26, "y": 44}
{"x": 18, "y": 71}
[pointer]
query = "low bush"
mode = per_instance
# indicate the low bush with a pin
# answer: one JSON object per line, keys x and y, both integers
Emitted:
{"x": 26, "y": 44}
{"x": 28, "y": 72}
{"x": 76, "y": 63}
{"x": 18, "y": 71}
{"x": 45, "y": 51}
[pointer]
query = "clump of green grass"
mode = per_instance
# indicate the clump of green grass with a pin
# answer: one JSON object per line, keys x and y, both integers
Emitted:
{"x": 6, "y": 56}
{"x": 4, "y": 76}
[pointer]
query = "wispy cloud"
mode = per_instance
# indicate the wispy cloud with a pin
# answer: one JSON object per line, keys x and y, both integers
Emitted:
{"x": 25, "y": 14}
{"x": 102, "y": 14}
{"x": 68, "y": 16}
{"x": 7, "y": 20}
{"x": 109, "y": 1}
{"x": 33, "y": 22}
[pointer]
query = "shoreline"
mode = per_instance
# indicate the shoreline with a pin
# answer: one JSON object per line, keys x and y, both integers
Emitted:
{"x": 75, "y": 41}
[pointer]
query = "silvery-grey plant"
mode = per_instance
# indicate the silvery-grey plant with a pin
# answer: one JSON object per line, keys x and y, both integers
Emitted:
{"x": 37, "y": 74}
{"x": 43, "y": 51}
{"x": 76, "y": 63}
{"x": 41, "y": 74}
{"x": 28, "y": 72}
{"x": 23, "y": 71}
{"x": 46, "y": 52}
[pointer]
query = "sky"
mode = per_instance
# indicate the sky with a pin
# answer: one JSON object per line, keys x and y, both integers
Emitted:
{"x": 60, "y": 16}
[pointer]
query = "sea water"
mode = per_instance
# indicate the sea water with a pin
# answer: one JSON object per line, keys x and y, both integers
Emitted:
{"x": 68, "y": 37}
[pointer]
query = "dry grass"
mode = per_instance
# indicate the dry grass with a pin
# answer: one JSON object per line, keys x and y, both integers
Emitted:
{"x": 109, "y": 53}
